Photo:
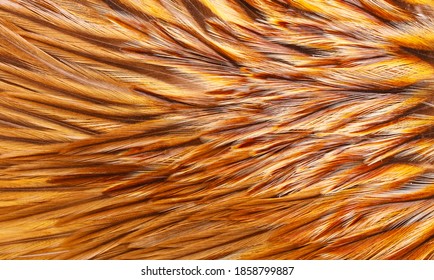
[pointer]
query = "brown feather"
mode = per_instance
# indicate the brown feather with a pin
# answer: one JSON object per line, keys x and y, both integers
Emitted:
{"x": 216, "y": 129}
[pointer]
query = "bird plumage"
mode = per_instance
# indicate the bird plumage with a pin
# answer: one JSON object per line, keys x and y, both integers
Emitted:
{"x": 212, "y": 129}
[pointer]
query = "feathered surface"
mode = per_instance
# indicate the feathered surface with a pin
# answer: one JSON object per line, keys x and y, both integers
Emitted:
{"x": 205, "y": 129}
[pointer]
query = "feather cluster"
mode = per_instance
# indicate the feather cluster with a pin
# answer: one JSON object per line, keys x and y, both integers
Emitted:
{"x": 216, "y": 129}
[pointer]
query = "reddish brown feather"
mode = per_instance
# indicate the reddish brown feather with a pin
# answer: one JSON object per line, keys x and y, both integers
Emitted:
{"x": 205, "y": 129}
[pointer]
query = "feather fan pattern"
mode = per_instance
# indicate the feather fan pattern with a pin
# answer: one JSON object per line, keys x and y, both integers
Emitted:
{"x": 216, "y": 129}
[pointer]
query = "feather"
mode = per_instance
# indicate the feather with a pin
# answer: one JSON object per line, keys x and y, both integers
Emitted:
{"x": 216, "y": 129}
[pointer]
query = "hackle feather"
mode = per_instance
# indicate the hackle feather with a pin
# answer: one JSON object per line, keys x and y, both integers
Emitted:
{"x": 216, "y": 129}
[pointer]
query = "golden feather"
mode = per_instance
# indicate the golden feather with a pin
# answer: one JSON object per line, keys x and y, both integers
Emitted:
{"x": 216, "y": 129}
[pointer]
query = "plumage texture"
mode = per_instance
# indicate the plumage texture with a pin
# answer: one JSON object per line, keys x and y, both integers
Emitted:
{"x": 204, "y": 129}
